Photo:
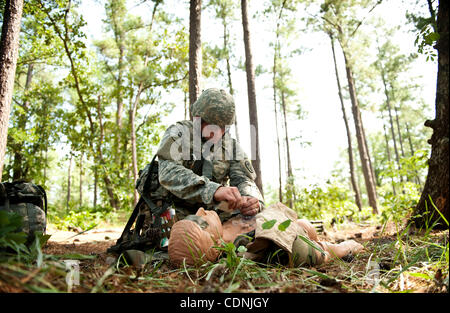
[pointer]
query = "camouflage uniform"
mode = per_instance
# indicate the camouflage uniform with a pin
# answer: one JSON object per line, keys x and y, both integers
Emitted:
{"x": 215, "y": 106}
{"x": 228, "y": 164}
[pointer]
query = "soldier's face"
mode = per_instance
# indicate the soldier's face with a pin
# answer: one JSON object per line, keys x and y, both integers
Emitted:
{"x": 212, "y": 132}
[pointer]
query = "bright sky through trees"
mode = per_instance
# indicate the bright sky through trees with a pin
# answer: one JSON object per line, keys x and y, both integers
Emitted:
{"x": 313, "y": 71}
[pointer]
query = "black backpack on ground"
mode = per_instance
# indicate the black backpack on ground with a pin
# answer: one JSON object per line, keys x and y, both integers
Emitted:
{"x": 29, "y": 201}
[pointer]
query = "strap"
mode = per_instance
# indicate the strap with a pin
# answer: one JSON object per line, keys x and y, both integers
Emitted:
{"x": 45, "y": 198}
{"x": 149, "y": 175}
{"x": 153, "y": 208}
{"x": 207, "y": 169}
{"x": 198, "y": 166}
{"x": 138, "y": 226}
{"x": 130, "y": 220}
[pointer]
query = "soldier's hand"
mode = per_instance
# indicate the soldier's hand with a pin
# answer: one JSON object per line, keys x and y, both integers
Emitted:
{"x": 231, "y": 195}
{"x": 250, "y": 206}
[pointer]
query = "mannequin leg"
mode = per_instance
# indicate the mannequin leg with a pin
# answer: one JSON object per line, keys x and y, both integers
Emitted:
{"x": 341, "y": 249}
{"x": 332, "y": 250}
{"x": 310, "y": 230}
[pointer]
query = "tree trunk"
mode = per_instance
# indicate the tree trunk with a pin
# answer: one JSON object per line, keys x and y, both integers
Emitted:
{"x": 69, "y": 176}
{"x": 400, "y": 137}
{"x": 133, "y": 110}
{"x": 290, "y": 174}
{"x": 113, "y": 201}
{"x": 411, "y": 147}
{"x": 388, "y": 151}
{"x": 227, "y": 58}
{"x": 45, "y": 166}
{"x": 252, "y": 108}
{"x": 119, "y": 111}
{"x": 115, "y": 11}
{"x": 22, "y": 124}
{"x": 81, "y": 180}
{"x": 275, "y": 102}
{"x": 400, "y": 141}
{"x": 9, "y": 49}
{"x": 185, "y": 107}
{"x": 437, "y": 182}
{"x": 46, "y": 140}
{"x": 288, "y": 153}
{"x": 195, "y": 51}
{"x": 391, "y": 121}
{"x": 95, "y": 186}
{"x": 372, "y": 170}
{"x": 108, "y": 183}
{"x": 360, "y": 136}
{"x": 134, "y": 155}
{"x": 412, "y": 150}
{"x": 349, "y": 135}
{"x": 275, "y": 108}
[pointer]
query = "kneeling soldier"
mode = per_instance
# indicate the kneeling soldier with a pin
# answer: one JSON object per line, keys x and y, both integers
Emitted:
{"x": 199, "y": 177}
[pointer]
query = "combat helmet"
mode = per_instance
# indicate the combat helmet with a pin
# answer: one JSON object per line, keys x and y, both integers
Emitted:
{"x": 215, "y": 106}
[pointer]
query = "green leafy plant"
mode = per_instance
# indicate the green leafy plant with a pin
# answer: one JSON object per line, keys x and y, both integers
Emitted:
{"x": 83, "y": 218}
{"x": 13, "y": 242}
{"x": 232, "y": 260}
{"x": 284, "y": 225}
{"x": 268, "y": 224}
{"x": 316, "y": 202}
{"x": 10, "y": 237}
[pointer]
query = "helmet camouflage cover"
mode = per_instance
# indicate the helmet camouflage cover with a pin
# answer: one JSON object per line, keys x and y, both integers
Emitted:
{"x": 215, "y": 106}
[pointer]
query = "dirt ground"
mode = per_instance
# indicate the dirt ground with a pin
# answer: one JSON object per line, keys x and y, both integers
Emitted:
{"x": 99, "y": 271}
{"x": 101, "y": 237}
{"x": 98, "y": 240}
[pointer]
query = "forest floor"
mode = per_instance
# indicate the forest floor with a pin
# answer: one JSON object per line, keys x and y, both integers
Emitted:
{"x": 394, "y": 260}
